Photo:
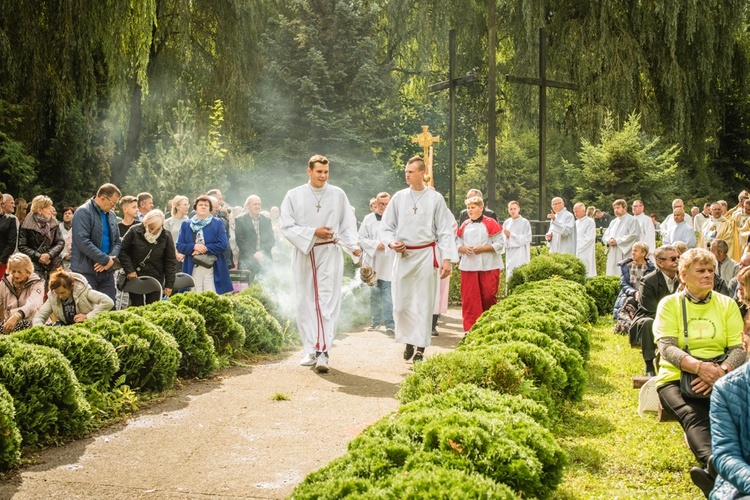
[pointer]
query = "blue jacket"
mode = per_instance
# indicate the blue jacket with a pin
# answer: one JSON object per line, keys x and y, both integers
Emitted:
{"x": 216, "y": 242}
{"x": 87, "y": 235}
{"x": 730, "y": 433}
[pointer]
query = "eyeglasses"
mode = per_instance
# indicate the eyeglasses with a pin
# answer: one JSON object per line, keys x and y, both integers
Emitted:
{"x": 110, "y": 201}
{"x": 557, "y": 203}
{"x": 671, "y": 259}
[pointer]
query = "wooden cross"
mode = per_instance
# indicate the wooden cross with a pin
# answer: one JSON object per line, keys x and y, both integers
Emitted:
{"x": 542, "y": 82}
{"x": 426, "y": 140}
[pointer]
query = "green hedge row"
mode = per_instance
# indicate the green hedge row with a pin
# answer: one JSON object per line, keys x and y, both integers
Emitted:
{"x": 475, "y": 422}
{"x": 62, "y": 381}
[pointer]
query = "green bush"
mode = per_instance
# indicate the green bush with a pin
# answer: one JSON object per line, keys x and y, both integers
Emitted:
{"x": 228, "y": 335}
{"x": 93, "y": 359}
{"x": 492, "y": 323}
{"x": 492, "y": 369}
{"x": 46, "y": 394}
{"x": 263, "y": 333}
{"x": 568, "y": 292}
{"x": 604, "y": 290}
{"x": 149, "y": 356}
{"x": 188, "y": 328}
{"x": 10, "y": 436}
{"x": 565, "y": 266}
{"x": 445, "y": 484}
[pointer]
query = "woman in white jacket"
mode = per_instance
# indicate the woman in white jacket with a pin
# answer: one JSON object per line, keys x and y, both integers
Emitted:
{"x": 72, "y": 300}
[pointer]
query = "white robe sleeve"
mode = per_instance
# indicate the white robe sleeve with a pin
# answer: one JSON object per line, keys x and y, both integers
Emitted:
{"x": 302, "y": 237}
{"x": 520, "y": 237}
{"x": 444, "y": 229}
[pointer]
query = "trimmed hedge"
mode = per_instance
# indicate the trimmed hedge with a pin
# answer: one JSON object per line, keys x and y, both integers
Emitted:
{"x": 10, "y": 436}
{"x": 603, "y": 290}
{"x": 228, "y": 335}
{"x": 188, "y": 328}
{"x": 263, "y": 334}
{"x": 149, "y": 356}
{"x": 563, "y": 265}
{"x": 46, "y": 394}
{"x": 93, "y": 358}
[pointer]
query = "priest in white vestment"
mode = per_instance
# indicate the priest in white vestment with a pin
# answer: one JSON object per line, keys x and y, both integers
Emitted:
{"x": 585, "y": 239}
{"x": 669, "y": 220}
{"x": 648, "y": 233}
{"x": 680, "y": 230}
{"x": 380, "y": 258}
{"x": 517, "y": 232}
{"x": 318, "y": 221}
{"x": 562, "y": 229}
{"x": 418, "y": 226}
{"x": 620, "y": 236}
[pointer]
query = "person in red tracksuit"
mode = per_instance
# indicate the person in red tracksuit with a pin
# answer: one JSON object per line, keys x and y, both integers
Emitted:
{"x": 480, "y": 244}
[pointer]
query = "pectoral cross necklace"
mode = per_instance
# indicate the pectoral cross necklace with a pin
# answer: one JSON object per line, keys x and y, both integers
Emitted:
{"x": 317, "y": 207}
{"x": 417, "y": 200}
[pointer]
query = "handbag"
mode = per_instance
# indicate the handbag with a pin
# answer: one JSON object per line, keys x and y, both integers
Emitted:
{"x": 686, "y": 378}
{"x": 206, "y": 260}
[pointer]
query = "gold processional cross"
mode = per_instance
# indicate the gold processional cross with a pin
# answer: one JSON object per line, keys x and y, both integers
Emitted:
{"x": 426, "y": 140}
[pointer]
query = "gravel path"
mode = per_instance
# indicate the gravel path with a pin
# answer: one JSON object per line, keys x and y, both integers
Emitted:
{"x": 227, "y": 437}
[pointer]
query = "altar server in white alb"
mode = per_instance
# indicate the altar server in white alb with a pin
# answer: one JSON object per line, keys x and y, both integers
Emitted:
{"x": 646, "y": 227}
{"x": 480, "y": 243}
{"x": 585, "y": 239}
{"x": 318, "y": 221}
{"x": 562, "y": 229}
{"x": 380, "y": 258}
{"x": 620, "y": 237}
{"x": 517, "y": 233}
{"x": 418, "y": 226}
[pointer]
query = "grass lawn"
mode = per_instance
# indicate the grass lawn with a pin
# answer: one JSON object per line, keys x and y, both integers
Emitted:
{"x": 614, "y": 452}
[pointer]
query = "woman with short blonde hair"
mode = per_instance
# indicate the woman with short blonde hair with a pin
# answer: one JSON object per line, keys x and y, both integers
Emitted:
{"x": 40, "y": 237}
{"x": 21, "y": 294}
{"x": 179, "y": 208}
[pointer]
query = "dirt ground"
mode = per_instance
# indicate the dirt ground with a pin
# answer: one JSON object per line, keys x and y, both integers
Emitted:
{"x": 227, "y": 437}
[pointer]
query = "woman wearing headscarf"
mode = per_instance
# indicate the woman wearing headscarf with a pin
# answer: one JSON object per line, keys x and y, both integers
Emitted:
{"x": 203, "y": 241}
{"x": 40, "y": 237}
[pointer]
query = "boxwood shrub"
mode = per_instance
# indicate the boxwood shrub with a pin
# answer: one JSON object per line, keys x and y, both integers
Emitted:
{"x": 188, "y": 328}
{"x": 93, "y": 358}
{"x": 10, "y": 436}
{"x": 563, "y": 265}
{"x": 567, "y": 292}
{"x": 604, "y": 290}
{"x": 46, "y": 394}
{"x": 228, "y": 335}
{"x": 263, "y": 334}
{"x": 149, "y": 356}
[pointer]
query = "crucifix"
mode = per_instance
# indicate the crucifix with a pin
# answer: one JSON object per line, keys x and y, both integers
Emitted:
{"x": 426, "y": 140}
{"x": 542, "y": 82}
{"x": 451, "y": 84}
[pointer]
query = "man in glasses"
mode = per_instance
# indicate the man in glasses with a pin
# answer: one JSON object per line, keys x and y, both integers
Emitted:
{"x": 654, "y": 286}
{"x": 96, "y": 240}
{"x": 562, "y": 229}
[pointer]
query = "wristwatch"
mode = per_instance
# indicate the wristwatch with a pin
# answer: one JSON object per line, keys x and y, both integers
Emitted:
{"x": 724, "y": 367}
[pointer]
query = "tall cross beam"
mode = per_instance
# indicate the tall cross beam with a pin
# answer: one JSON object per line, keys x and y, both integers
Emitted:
{"x": 542, "y": 82}
{"x": 451, "y": 84}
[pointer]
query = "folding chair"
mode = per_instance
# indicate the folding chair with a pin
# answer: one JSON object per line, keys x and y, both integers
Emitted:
{"x": 240, "y": 279}
{"x": 142, "y": 285}
{"x": 183, "y": 281}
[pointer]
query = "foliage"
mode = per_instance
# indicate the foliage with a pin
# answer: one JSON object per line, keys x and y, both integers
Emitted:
{"x": 149, "y": 356}
{"x": 271, "y": 293}
{"x": 10, "y": 437}
{"x": 93, "y": 359}
{"x": 625, "y": 164}
{"x": 48, "y": 400}
{"x": 227, "y": 334}
{"x": 263, "y": 333}
{"x": 111, "y": 404}
{"x": 189, "y": 330}
{"x": 604, "y": 290}
{"x": 563, "y": 265}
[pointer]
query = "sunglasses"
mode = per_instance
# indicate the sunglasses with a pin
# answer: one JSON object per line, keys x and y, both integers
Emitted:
{"x": 671, "y": 259}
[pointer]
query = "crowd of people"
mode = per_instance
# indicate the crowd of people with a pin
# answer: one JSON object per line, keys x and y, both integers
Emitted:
{"x": 681, "y": 302}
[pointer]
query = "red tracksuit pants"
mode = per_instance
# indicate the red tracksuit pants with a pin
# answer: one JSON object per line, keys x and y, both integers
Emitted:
{"x": 478, "y": 291}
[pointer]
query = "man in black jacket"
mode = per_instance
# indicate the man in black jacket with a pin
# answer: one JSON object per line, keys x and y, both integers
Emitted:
{"x": 8, "y": 236}
{"x": 255, "y": 239}
{"x": 654, "y": 286}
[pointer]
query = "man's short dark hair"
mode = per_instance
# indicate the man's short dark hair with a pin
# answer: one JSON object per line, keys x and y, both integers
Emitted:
{"x": 143, "y": 197}
{"x": 126, "y": 200}
{"x": 108, "y": 190}
{"x": 316, "y": 159}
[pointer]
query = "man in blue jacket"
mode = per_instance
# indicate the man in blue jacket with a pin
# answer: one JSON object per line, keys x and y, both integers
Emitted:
{"x": 96, "y": 240}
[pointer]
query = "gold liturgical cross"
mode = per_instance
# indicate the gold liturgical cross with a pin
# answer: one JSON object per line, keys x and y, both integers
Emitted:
{"x": 426, "y": 139}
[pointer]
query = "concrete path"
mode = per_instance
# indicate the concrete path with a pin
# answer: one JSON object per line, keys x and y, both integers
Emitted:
{"x": 227, "y": 437}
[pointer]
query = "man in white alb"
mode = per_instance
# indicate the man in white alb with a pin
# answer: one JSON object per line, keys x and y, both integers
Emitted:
{"x": 562, "y": 229}
{"x": 620, "y": 236}
{"x": 316, "y": 218}
{"x": 418, "y": 226}
{"x": 517, "y": 232}
{"x": 585, "y": 239}
{"x": 648, "y": 233}
{"x": 380, "y": 258}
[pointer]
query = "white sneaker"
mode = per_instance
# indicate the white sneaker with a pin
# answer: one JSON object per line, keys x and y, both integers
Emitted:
{"x": 308, "y": 360}
{"x": 321, "y": 365}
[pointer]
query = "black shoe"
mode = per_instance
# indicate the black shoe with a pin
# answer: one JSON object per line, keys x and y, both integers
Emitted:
{"x": 408, "y": 352}
{"x": 419, "y": 356}
{"x": 702, "y": 479}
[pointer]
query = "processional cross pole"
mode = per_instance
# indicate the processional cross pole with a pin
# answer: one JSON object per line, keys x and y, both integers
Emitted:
{"x": 542, "y": 82}
{"x": 426, "y": 140}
